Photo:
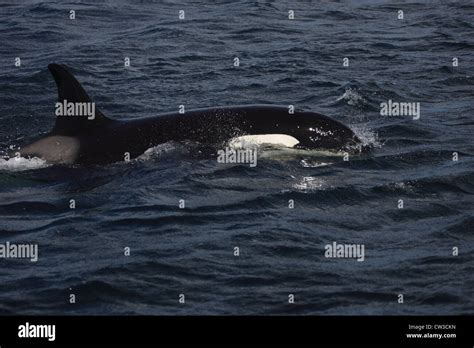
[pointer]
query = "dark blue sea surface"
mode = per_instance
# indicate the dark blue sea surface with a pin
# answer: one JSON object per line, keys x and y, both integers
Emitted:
{"x": 190, "y": 251}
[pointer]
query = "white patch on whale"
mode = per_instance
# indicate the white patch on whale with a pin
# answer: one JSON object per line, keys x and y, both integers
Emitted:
{"x": 259, "y": 139}
{"x": 53, "y": 149}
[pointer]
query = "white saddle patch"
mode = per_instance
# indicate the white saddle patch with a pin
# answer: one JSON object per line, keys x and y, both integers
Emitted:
{"x": 54, "y": 149}
{"x": 256, "y": 140}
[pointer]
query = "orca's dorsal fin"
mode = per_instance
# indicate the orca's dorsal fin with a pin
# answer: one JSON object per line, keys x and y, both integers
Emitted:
{"x": 70, "y": 90}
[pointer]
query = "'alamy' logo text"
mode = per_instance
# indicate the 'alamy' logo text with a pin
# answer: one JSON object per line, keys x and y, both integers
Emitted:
{"x": 85, "y": 109}
{"x": 37, "y": 331}
{"x": 393, "y": 108}
{"x": 19, "y": 251}
{"x": 230, "y": 155}
{"x": 345, "y": 251}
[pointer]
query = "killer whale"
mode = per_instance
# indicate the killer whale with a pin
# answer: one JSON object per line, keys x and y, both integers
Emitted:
{"x": 99, "y": 140}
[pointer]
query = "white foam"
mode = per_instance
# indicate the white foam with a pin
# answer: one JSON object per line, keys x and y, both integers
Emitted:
{"x": 309, "y": 183}
{"x": 307, "y": 163}
{"x": 367, "y": 136}
{"x": 17, "y": 164}
{"x": 156, "y": 151}
{"x": 352, "y": 97}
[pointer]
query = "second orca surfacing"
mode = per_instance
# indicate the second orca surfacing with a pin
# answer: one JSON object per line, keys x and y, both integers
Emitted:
{"x": 97, "y": 139}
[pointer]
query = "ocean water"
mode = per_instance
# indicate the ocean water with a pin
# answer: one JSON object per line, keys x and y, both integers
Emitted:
{"x": 190, "y": 251}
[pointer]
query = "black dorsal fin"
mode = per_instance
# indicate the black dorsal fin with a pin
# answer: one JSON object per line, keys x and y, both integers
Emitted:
{"x": 70, "y": 90}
